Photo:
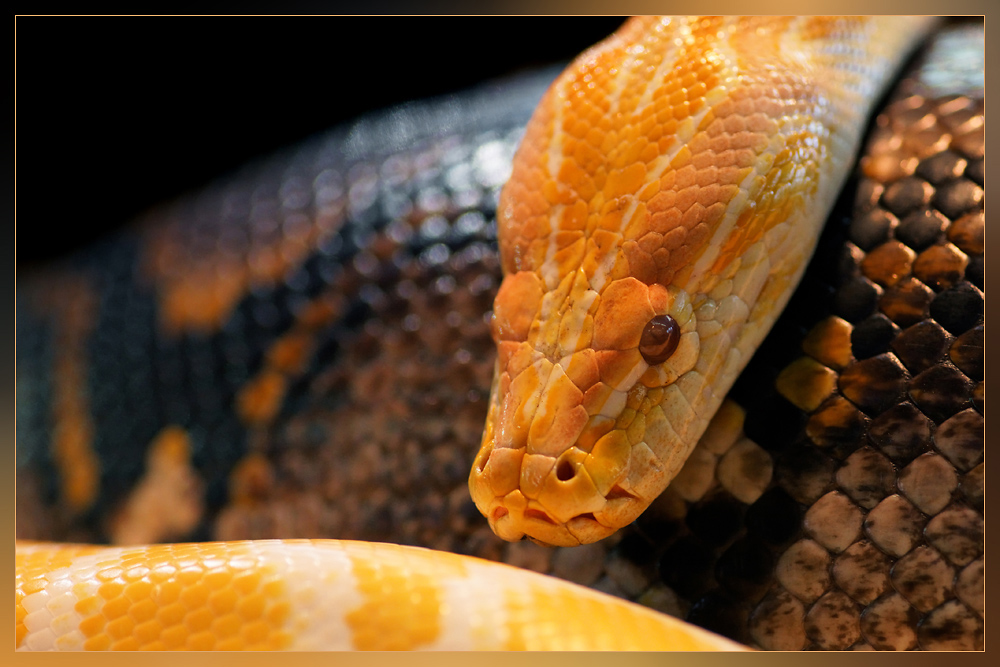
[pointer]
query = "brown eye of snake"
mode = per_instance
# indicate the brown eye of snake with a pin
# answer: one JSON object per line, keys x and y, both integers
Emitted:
{"x": 659, "y": 339}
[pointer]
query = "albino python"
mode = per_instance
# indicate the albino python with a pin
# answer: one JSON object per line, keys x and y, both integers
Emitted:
{"x": 663, "y": 204}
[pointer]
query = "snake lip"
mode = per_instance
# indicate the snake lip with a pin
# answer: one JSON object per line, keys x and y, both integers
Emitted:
{"x": 503, "y": 524}
{"x": 542, "y": 529}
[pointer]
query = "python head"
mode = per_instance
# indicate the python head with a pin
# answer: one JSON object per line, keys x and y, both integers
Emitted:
{"x": 664, "y": 201}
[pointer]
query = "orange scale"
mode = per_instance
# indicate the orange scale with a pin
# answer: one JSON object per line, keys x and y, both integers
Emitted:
{"x": 682, "y": 110}
{"x": 171, "y": 614}
{"x": 709, "y": 195}
{"x": 143, "y": 611}
{"x": 175, "y": 637}
{"x": 93, "y": 626}
{"x": 161, "y": 574}
{"x": 126, "y": 644}
{"x": 241, "y": 563}
{"x": 31, "y": 586}
{"x": 166, "y": 592}
{"x": 194, "y": 596}
{"x": 199, "y": 620}
{"x": 99, "y": 643}
{"x": 273, "y": 588}
{"x": 723, "y": 109}
{"x": 697, "y": 90}
{"x": 647, "y": 119}
{"x": 190, "y": 575}
{"x": 111, "y": 590}
{"x": 132, "y": 559}
{"x": 211, "y": 561}
{"x": 109, "y": 574}
{"x": 223, "y": 602}
{"x": 665, "y": 117}
{"x": 708, "y": 174}
{"x": 138, "y": 590}
{"x": 228, "y": 625}
{"x": 120, "y": 627}
{"x": 231, "y": 644}
{"x": 202, "y": 641}
{"x": 187, "y": 562}
{"x": 218, "y": 577}
{"x": 148, "y": 632}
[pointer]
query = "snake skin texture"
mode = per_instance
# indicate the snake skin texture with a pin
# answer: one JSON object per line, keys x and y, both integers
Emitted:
{"x": 211, "y": 376}
{"x": 663, "y": 204}
{"x": 315, "y": 595}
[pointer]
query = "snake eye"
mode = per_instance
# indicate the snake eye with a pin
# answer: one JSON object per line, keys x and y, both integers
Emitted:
{"x": 659, "y": 339}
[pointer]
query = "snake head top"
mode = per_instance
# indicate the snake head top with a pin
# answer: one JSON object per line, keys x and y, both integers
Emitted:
{"x": 665, "y": 199}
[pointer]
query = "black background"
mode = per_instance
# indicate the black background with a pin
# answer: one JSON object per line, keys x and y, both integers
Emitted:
{"x": 115, "y": 114}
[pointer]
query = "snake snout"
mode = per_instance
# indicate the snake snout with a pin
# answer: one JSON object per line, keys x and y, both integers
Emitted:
{"x": 567, "y": 500}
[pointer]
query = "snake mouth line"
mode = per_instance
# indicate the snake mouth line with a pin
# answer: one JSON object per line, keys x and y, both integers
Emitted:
{"x": 539, "y": 515}
{"x": 542, "y": 527}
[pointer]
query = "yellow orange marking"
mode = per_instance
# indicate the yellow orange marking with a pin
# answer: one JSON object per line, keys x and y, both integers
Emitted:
{"x": 403, "y": 600}
{"x": 538, "y": 615}
{"x": 259, "y": 400}
{"x": 199, "y": 286}
{"x": 185, "y": 597}
{"x": 168, "y": 500}
{"x": 69, "y": 303}
{"x": 290, "y": 353}
{"x": 251, "y": 478}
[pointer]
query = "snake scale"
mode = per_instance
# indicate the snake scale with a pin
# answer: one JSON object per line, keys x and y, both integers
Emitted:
{"x": 305, "y": 351}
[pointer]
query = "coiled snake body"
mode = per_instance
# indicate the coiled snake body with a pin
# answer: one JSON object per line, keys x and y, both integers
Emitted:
{"x": 666, "y": 197}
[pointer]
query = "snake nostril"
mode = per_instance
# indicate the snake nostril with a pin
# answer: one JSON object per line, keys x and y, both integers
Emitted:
{"x": 500, "y": 513}
{"x": 564, "y": 471}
